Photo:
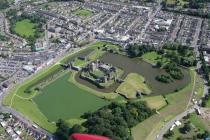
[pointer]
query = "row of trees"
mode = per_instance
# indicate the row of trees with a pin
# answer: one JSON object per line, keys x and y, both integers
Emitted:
{"x": 163, "y": 78}
{"x": 174, "y": 71}
{"x": 180, "y": 54}
{"x": 204, "y": 67}
{"x": 34, "y": 18}
{"x": 113, "y": 121}
{"x": 205, "y": 99}
{"x": 137, "y": 50}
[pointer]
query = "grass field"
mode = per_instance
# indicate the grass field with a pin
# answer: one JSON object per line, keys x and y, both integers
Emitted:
{"x": 53, "y": 101}
{"x": 132, "y": 84}
{"x": 198, "y": 122}
{"x": 153, "y": 58}
{"x": 155, "y": 102}
{"x": 25, "y": 28}
{"x": 83, "y": 12}
{"x": 177, "y": 104}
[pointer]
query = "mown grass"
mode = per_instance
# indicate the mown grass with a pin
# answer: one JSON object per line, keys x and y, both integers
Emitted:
{"x": 62, "y": 94}
{"x": 31, "y": 111}
{"x": 25, "y": 28}
{"x": 153, "y": 58}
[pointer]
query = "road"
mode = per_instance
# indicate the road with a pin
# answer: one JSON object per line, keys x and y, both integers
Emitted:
{"x": 170, "y": 123}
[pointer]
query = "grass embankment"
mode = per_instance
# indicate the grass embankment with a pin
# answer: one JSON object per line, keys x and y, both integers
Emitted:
{"x": 178, "y": 101}
{"x": 132, "y": 84}
{"x": 155, "y": 102}
{"x": 199, "y": 88}
{"x": 25, "y": 28}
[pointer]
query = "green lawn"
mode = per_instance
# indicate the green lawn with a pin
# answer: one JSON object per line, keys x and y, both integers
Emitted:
{"x": 177, "y": 104}
{"x": 153, "y": 58}
{"x": 155, "y": 102}
{"x": 83, "y": 12}
{"x": 25, "y": 28}
{"x": 62, "y": 94}
{"x": 79, "y": 62}
{"x": 31, "y": 111}
{"x": 133, "y": 83}
{"x": 197, "y": 122}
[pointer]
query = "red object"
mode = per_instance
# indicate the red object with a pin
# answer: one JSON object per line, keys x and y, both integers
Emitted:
{"x": 78, "y": 136}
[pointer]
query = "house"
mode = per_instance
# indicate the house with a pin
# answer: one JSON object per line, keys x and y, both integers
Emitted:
{"x": 178, "y": 123}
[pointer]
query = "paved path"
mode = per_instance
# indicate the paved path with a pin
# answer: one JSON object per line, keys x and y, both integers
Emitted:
{"x": 170, "y": 123}
{"x": 188, "y": 110}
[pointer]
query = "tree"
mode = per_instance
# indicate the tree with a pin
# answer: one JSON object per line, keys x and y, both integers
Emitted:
{"x": 180, "y": 138}
{"x": 62, "y": 131}
{"x": 206, "y": 134}
{"x": 115, "y": 120}
{"x": 76, "y": 129}
{"x": 4, "y": 4}
{"x": 186, "y": 128}
{"x": 168, "y": 134}
{"x": 159, "y": 64}
{"x": 136, "y": 50}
